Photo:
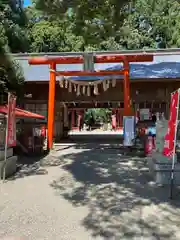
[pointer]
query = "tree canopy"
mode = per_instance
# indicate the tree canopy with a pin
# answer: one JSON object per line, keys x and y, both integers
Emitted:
{"x": 152, "y": 24}
{"x": 13, "y": 25}
{"x": 78, "y": 25}
{"x": 104, "y": 25}
{"x": 12, "y": 39}
{"x": 82, "y": 25}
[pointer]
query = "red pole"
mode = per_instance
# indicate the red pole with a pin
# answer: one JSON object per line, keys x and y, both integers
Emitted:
{"x": 126, "y": 83}
{"x": 51, "y": 102}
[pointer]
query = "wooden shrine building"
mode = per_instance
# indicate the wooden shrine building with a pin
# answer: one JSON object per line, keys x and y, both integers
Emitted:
{"x": 61, "y": 85}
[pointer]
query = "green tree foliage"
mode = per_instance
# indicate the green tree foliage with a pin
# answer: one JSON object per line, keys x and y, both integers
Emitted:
{"x": 109, "y": 25}
{"x": 47, "y": 34}
{"x": 13, "y": 25}
{"x": 53, "y": 36}
{"x": 94, "y": 21}
{"x": 174, "y": 25}
{"x": 12, "y": 39}
{"x": 85, "y": 12}
{"x": 151, "y": 24}
{"x": 100, "y": 115}
{"x": 11, "y": 76}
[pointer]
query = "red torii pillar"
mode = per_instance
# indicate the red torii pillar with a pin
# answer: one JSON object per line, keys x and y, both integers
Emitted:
{"x": 126, "y": 59}
{"x": 51, "y": 103}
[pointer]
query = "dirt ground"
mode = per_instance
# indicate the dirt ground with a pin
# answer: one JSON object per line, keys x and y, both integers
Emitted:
{"x": 87, "y": 192}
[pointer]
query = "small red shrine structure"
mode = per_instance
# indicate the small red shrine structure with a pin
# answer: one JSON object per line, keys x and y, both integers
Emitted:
{"x": 106, "y": 58}
{"x": 20, "y": 113}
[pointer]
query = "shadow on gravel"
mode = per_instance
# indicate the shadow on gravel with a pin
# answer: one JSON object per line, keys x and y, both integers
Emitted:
{"x": 117, "y": 191}
{"x": 29, "y": 166}
{"x": 55, "y": 160}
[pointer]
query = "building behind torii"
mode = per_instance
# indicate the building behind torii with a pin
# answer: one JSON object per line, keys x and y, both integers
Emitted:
{"x": 151, "y": 85}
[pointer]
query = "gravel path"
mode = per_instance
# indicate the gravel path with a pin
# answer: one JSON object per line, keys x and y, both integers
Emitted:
{"x": 30, "y": 209}
{"x": 87, "y": 193}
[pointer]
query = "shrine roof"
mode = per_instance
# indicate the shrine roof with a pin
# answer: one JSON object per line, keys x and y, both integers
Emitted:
{"x": 165, "y": 65}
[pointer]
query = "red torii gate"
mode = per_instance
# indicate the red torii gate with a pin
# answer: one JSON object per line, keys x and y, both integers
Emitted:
{"x": 106, "y": 58}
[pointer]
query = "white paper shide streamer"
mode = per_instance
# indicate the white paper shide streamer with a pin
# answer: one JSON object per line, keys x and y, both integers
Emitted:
{"x": 78, "y": 90}
{"x": 84, "y": 90}
{"x": 84, "y": 87}
{"x": 70, "y": 87}
{"x": 96, "y": 92}
{"x": 113, "y": 82}
{"x": 89, "y": 91}
{"x": 66, "y": 83}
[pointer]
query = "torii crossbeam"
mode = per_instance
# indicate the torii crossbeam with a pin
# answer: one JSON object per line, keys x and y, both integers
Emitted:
{"x": 106, "y": 58}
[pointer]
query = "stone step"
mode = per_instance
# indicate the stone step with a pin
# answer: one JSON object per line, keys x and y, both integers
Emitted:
{"x": 11, "y": 166}
{"x": 9, "y": 153}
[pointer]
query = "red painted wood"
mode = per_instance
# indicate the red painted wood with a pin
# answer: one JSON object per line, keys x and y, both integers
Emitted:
{"x": 115, "y": 58}
{"x": 51, "y": 101}
{"x": 95, "y": 73}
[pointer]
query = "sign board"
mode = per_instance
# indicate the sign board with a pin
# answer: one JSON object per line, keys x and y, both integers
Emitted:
{"x": 11, "y": 121}
{"x": 170, "y": 137}
{"x": 128, "y": 130}
{"x": 144, "y": 114}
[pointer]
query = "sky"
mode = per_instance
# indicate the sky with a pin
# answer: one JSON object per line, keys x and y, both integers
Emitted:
{"x": 27, "y": 2}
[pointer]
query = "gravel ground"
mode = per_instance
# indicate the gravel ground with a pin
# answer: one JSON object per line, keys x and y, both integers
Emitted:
{"x": 87, "y": 193}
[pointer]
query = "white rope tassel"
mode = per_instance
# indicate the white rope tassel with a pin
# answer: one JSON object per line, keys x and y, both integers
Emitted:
{"x": 66, "y": 83}
{"x": 113, "y": 82}
{"x": 107, "y": 83}
{"x": 84, "y": 90}
{"x": 88, "y": 91}
{"x": 96, "y": 89}
{"x": 61, "y": 83}
{"x": 70, "y": 87}
{"x": 78, "y": 90}
{"x": 104, "y": 85}
{"x": 75, "y": 88}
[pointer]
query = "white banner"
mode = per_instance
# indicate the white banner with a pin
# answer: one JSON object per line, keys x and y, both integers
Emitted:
{"x": 128, "y": 130}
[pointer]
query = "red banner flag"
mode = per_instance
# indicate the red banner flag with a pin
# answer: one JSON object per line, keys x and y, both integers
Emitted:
{"x": 171, "y": 132}
{"x": 11, "y": 121}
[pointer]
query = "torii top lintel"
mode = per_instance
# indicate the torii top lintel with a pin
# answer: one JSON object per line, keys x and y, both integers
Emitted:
{"x": 97, "y": 59}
